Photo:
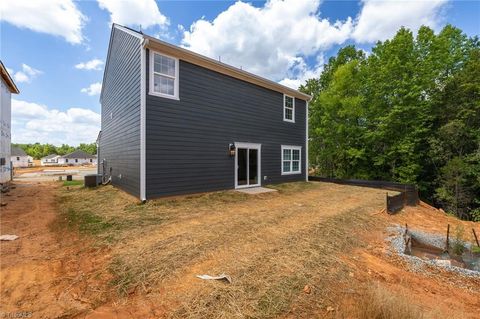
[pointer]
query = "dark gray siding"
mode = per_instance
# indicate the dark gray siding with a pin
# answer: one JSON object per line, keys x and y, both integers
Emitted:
{"x": 187, "y": 140}
{"x": 120, "y": 139}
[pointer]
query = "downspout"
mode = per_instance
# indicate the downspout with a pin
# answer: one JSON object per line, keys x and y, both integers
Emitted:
{"x": 306, "y": 141}
{"x": 143, "y": 112}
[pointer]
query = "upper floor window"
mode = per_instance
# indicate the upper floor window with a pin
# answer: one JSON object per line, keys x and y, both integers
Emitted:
{"x": 288, "y": 108}
{"x": 163, "y": 75}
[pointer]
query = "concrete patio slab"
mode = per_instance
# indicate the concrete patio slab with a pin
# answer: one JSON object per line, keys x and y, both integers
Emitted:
{"x": 256, "y": 190}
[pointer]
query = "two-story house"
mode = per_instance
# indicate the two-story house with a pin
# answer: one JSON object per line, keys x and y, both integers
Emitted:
{"x": 176, "y": 122}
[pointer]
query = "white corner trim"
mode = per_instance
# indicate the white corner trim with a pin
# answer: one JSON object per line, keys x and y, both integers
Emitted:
{"x": 293, "y": 109}
{"x": 292, "y": 147}
{"x": 151, "y": 90}
{"x": 127, "y": 30}
{"x": 143, "y": 113}
{"x": 306, "y": 142}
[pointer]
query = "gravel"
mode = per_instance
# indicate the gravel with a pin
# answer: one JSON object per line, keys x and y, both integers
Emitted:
{"x": 418, "y": 264}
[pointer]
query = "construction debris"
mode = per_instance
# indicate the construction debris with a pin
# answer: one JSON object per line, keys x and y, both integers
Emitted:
{"x": 8, "y": 237}
{"x": 219, "y": 277}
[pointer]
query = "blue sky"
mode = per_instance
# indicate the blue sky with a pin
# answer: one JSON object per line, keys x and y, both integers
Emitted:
{"x": 56, "y": 49}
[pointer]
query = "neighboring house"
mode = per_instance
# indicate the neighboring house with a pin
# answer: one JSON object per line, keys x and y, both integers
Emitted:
{"x": 49, "y": 160}
{"x": 7, "y": 88}
{"x": 176, "y": 122}
{"x": 18, "y": 157}
{"x": 30, "y": 161}
{"x": 77, "y": 157}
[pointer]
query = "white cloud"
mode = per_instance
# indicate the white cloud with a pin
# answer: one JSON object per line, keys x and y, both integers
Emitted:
{"x": 273, "y": 41}
{"x": 95, "y": 64}
{"x": 134, "y": 12}
{"x": 302, "y": 72}
{"x": 32, "y": 122}
{"x": 26, "y": 75}
{"x": 278, "y": 40}
{"x": 93, "y": 89}
{"x": 380, "y": 20}
{"x": 56, "y": 17}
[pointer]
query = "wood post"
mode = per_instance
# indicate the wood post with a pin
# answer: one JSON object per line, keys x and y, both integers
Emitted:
{"x": 476, "y": 238}
{"x": 448, "y": 237}
{"x": 386, "y": 203}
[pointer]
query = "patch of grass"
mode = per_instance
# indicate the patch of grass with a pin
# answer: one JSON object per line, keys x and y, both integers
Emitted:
{"x": 213, "y": 198}
{"x": 272, "y": 247}
{"x": 458, "y": 245}
{"x": 87, "y": 222}
{"x": 276, "y": 299}
{"x": 380, "y": 303}
{"x": 106, "y": 214}
{"x": 292, "y": 187}
{"x": 72, "y": 183}
{"x": 272, "y": 280}
{"x": 475, "y": 249}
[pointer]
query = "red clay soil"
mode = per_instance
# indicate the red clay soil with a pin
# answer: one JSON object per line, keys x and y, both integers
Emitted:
{"x": 41, "y": 274}
{"x": 441, "y": 293}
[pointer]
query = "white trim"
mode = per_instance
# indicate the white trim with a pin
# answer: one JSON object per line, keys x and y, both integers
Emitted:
{"x": 293, "y": 109}
{"x": 151, "y": 90}
{"x": 248, "y": 146}
{"x": 143, "y": 112}
{"x": 129, "y": 31}
{"x": 292, "y": 147}
{"x": 217, "y": 66}
{"x": 306, "y": 141}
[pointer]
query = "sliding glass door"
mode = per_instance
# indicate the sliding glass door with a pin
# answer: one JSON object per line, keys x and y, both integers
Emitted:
{"x": 247, "y": 165}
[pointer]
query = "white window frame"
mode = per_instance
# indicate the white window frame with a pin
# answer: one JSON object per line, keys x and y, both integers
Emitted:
{"x": 151, "y": 73}
{"x": 293, "y": 109}
{"x": 292, "y": 147}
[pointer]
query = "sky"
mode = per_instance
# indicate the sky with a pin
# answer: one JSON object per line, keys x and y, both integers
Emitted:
{"x": 55, "y": 50}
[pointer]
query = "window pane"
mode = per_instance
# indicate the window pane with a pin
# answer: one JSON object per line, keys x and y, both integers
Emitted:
{"x": 288, "y": 114}
{"x": 287, "y": 154}
{"x": 163, "y": 85}
{"x": 164, "y": 65}
{"x": 289, "y": 101}
{"x": 296, "y": 155}
{"x": 286, "y": 166}
{"x": 295, "y": 166}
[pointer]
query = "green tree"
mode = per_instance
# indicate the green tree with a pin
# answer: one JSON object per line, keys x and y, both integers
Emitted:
{"x": 408, "y": 112}
{"x": 89, "y": 148}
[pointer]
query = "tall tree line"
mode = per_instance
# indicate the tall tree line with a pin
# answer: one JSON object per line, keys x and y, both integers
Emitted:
{"x": 37, "y": 150}
{"x": 409, "y": 112}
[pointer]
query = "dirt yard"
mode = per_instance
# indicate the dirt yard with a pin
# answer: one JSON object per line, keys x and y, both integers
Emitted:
{"x": 308, "y": 250}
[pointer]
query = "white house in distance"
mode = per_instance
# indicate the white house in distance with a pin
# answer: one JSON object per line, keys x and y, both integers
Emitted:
{"x": 18, "y": 157}
{"x": 50, "y": 160}
{"x": 76, "y": 158}
{"x": 7, "y": 88}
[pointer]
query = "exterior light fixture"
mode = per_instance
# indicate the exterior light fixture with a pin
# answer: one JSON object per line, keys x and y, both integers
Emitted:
{"x": 231, "y": 149}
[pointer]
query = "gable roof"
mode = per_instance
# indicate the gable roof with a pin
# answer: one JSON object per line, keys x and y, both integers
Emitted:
{"x": 17, "y": 151}
{"x": 208, "y": 63}
{"x": 78, "y": 154}
{"x": 8, "y": 79}
{"x": 49, "y": 156}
